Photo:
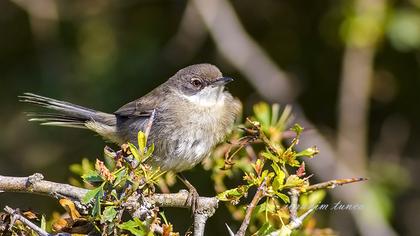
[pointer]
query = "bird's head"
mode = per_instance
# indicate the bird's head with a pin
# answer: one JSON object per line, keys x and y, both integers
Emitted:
{"x": 202, "y": 84}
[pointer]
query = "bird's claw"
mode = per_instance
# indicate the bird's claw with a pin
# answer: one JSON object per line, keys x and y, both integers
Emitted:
{"x": 192, "y": 200}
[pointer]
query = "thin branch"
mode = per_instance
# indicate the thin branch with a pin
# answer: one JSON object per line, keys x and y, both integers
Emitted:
{"x": 333, "y": 183}
{"x": 257, "y": 197}
{"x": 16, "y": 216}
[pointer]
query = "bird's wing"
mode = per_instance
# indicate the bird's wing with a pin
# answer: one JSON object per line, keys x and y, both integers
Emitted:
{"x": 136, "y": 108}
{"x": 144, "y": 106}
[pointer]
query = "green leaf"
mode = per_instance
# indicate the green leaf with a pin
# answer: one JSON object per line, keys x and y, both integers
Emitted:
{"x": 284, "y": 118}
{"x": 149, "y": 152}
{"x": 162, "y": 214}
{"x": 277, "y": 169}
{"x": 275, "y": 109}
{"x": 114, "y": 194}
{"x": 109, "y": 158}
{"x": 109, "y": 214}
{"x": 258, "y": 166}
{"x": 43, "y": 223}
{"x": 283, "y": 197}
{"x": 294, "y": 181}
{"x": 293, "y": 163}
{"x": 120, "y": 176}
{"x": 264, "y": 207}
{"x": 265, "y": 229}
{"x": 92, "y": 177}
{"x": 134, "y": 151}
{"x": 251, "y": 179}
{"x": 233, "y": 194}
{"x": 91, "y": 194}
{"x": 266, "y": 175}
{"x": 309, "y": 152}
{"x": 262, "y": 113}
{"x": 134, "y": 227}
{"x": 278, "y": 182}
{"x": 270, "y": 156}
{"x": 97, "y": 204}
{"x": 141, "y": 139}
{"x": 297, "y": 129}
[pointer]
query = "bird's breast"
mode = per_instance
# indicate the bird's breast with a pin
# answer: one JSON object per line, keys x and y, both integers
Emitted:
{"x": 188, "y": 135}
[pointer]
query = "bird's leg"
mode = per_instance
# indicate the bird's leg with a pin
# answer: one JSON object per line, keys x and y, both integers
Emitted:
{"x": 193, "y": 196}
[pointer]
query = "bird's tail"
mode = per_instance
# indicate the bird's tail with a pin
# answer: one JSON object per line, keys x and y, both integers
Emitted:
{"x": 66, "y": 114}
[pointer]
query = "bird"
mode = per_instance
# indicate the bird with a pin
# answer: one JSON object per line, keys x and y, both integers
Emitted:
{"x": 192, "y": 113}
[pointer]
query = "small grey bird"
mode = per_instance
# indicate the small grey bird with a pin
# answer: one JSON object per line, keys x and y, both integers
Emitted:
{"x": 193, "y": 113}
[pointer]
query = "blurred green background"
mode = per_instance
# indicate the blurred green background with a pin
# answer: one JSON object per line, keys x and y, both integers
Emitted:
{"x": 338, "y": 59}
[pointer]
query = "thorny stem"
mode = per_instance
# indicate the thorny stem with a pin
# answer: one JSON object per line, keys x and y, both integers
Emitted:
{"x": 257, "y": 197}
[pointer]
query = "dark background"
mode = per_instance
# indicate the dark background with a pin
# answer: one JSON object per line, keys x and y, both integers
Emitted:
{"x": 103, "y": 54}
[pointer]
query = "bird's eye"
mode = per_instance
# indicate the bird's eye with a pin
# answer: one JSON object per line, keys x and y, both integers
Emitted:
{"x": 196, "y": 83}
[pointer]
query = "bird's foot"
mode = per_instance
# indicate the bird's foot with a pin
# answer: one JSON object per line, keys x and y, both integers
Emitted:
{"x": 192, "y": 200}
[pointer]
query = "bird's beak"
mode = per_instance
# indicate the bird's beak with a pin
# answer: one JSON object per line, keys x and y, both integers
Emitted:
{"x": 222, "y": 81}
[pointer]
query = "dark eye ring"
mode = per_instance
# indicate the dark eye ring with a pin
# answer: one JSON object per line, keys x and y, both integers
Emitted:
{"x": 196, "y": 83}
